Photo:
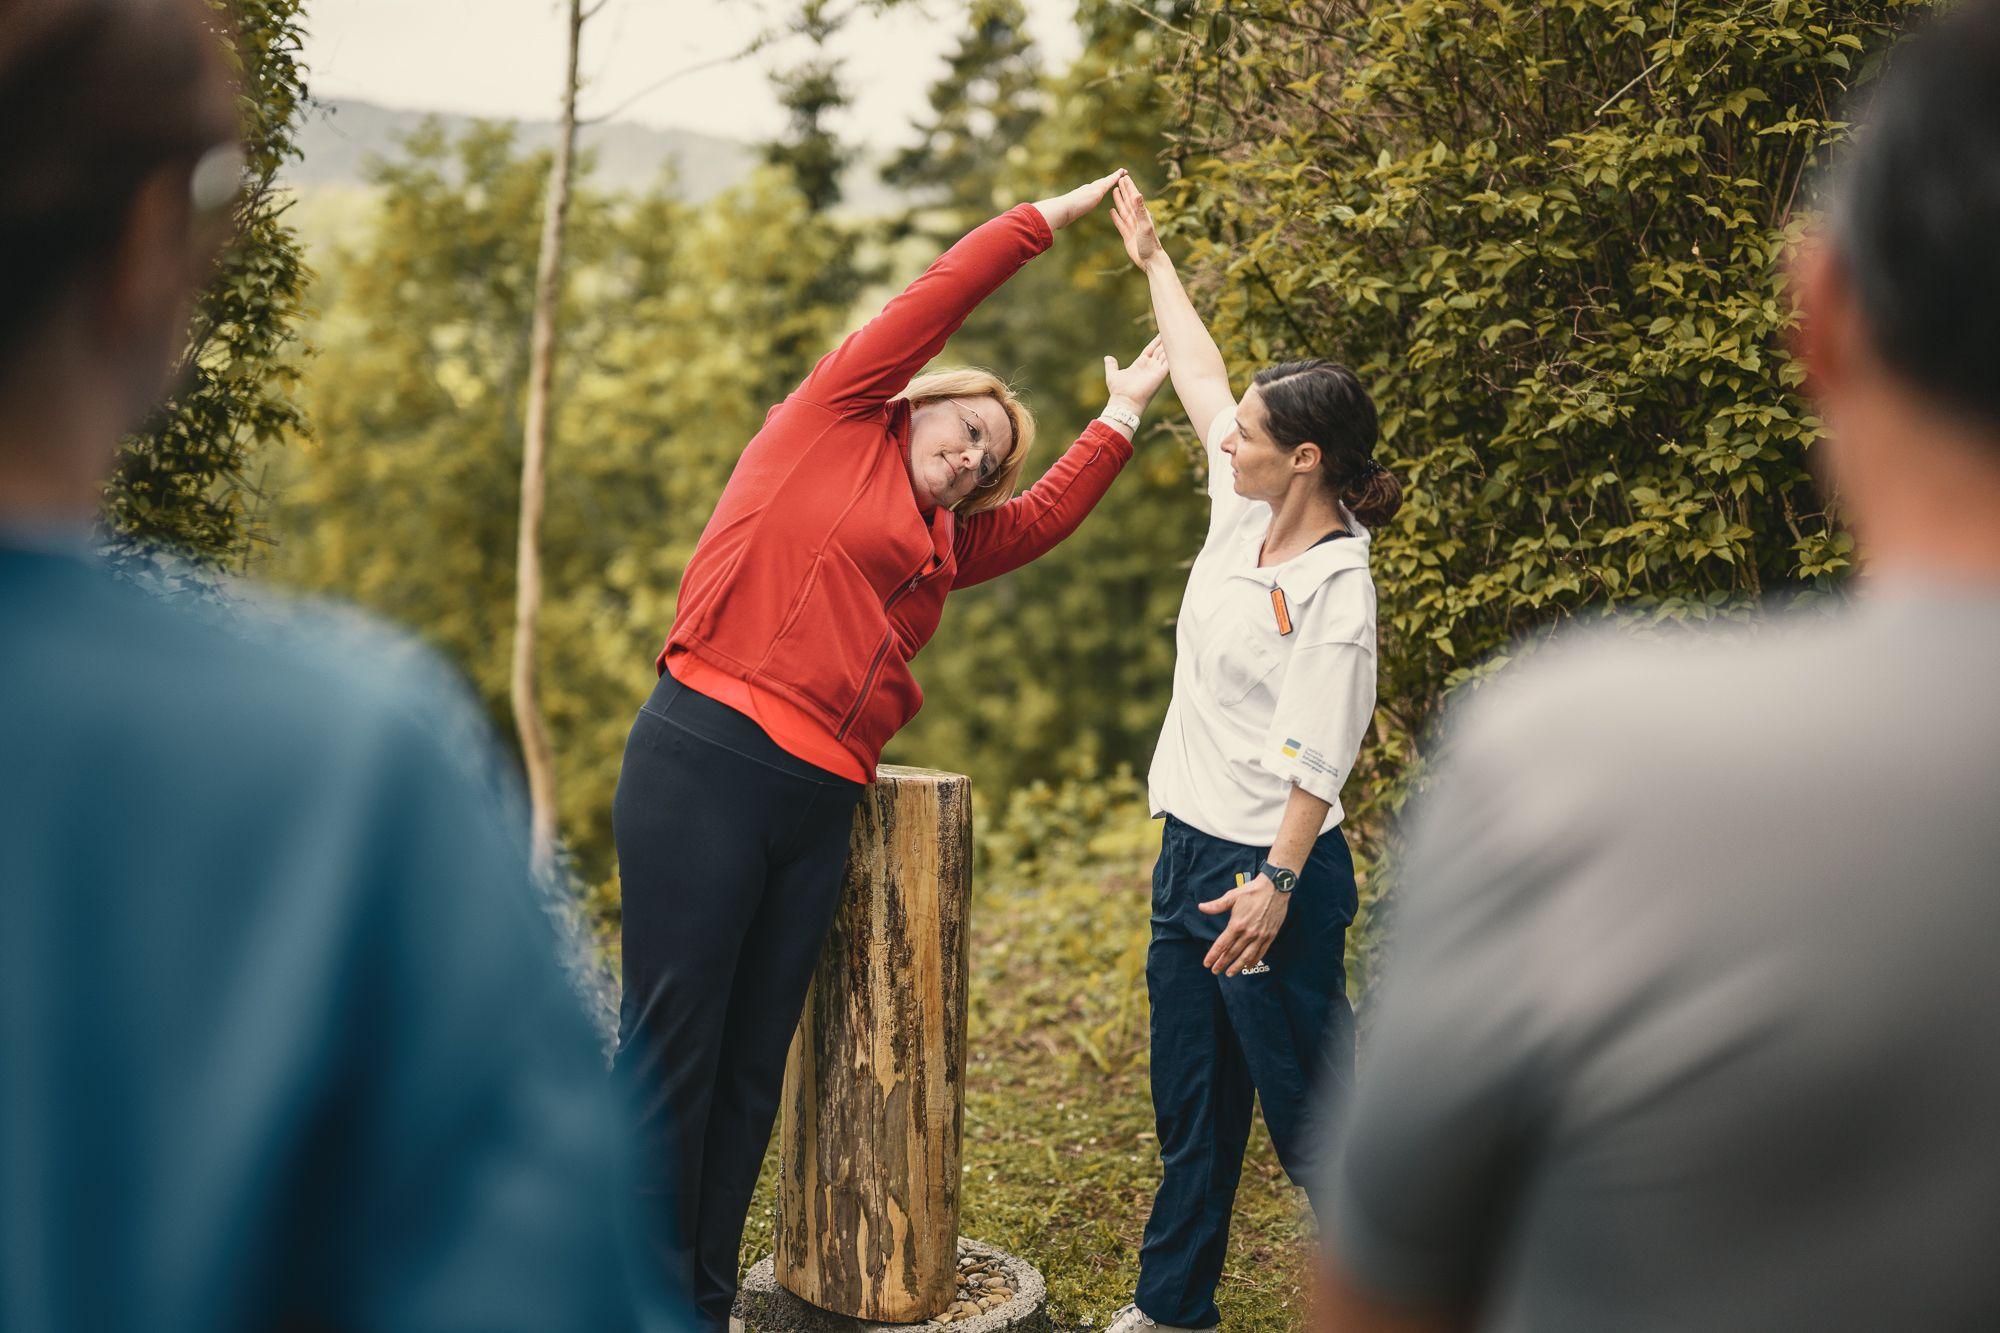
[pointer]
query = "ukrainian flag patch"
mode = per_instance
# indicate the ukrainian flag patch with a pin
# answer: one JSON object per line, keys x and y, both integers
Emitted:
{"x": 1291, "y": 749}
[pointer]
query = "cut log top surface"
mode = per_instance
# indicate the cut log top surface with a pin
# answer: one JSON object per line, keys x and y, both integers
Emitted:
{"x": 903, "y": 773}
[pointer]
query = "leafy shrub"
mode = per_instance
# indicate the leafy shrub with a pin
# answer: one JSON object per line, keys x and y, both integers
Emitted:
{"x": 1551, "y": 237}
{"x": 1080, "y": 821}
{"x": 187, "y": 479}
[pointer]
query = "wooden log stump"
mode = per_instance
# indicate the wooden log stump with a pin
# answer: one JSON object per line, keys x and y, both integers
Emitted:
{"x": 874, "y": 1096}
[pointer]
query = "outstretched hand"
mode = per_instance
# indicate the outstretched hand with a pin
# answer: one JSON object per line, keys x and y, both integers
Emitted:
{"x": 1134, "y": 385}
{"x": 1135, "y": 223}
{"x": 1067, "y": 208}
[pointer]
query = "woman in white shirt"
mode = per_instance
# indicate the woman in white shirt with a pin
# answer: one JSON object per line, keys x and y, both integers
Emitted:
{"x": 1274, "y": 684}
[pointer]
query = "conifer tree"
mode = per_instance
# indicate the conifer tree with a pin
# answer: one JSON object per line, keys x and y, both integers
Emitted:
{"x": 811, "y": 91}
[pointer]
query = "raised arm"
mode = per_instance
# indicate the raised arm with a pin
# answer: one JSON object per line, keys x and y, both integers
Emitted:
{"x": 878, "y": 360}
{"x": 992, "y": 542}
{"x": 1201, "y": 380}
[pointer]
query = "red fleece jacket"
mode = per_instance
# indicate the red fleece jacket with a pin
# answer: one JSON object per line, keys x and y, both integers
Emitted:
{"x": 818, "y": 577}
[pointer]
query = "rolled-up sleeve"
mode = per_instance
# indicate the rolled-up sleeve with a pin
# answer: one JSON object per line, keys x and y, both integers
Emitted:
{"x": 1324, "y": 705}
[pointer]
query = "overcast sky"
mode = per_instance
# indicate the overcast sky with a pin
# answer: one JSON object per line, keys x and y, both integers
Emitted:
{"x": 504, "y": 58}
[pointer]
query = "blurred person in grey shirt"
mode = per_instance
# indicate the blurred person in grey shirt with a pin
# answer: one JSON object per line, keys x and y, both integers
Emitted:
{"x": 1691, "y": 1019}
{"x": 284, "y": 1043}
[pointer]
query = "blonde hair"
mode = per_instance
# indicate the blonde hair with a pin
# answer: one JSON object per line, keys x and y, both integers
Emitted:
{"x": 972, "y": 382}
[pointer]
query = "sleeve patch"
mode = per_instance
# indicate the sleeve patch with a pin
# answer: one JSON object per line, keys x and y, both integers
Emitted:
{"x": 1309, "y": 758}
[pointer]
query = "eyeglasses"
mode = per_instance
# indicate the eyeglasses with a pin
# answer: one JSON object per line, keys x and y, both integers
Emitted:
{"x": 990, "y": 462}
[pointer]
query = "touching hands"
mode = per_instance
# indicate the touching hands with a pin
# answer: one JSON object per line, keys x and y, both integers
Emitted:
{"x": 1135, "y": 224}
{"x": 1067, "y": 208}
{"x": 1256, "y": 911}
{"x": 1133, "y": 386}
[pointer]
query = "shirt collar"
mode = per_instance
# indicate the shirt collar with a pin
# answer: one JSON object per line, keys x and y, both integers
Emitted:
{"x": 1302, "y": 575}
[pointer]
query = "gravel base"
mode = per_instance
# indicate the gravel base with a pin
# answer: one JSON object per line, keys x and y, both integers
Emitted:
{"x": 995, "y": 1291}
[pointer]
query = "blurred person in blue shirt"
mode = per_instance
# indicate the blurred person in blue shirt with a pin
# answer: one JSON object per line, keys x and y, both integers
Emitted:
{"x": 284, "y": 1042}
{"x": 1689, "y": 1018}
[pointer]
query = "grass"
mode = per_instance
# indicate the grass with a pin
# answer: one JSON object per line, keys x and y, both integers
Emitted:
{"x": 1059, "y": 1156}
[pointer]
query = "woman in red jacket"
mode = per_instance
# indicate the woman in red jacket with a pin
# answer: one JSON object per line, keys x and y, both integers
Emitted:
{"x": 867, "y": 496}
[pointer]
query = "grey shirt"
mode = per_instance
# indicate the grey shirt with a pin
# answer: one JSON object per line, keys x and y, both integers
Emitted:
{"x": 1692, "y": 1018}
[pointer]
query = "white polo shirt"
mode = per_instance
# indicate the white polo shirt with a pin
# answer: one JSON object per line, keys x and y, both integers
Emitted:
{"x": 1256, "y": 709}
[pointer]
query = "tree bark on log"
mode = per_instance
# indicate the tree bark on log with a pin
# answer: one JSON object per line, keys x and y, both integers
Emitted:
{"x": 874, "y": 1098}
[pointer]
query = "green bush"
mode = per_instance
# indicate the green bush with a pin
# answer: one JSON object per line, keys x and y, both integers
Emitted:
{"x": 1082, "y": 819}
{"x": 189, "y": 479}
{"x": 1551, "y": 238}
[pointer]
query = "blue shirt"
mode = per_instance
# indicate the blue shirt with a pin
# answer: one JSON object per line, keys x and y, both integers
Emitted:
{"x": 284, "y": 1037}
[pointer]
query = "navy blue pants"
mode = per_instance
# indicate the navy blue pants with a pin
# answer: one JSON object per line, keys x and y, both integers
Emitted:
{"x": 1284, "y": 1037}
{"x": 732, "y": 853}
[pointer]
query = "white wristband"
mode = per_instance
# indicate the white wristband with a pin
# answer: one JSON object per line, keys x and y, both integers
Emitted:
{"x": 1118, "y": 416}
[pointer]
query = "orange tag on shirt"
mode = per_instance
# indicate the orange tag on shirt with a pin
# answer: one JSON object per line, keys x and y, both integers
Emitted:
{"x": 1281, "y": 611}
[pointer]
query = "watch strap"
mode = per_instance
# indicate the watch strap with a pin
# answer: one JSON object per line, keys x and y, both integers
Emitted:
{"x": 1283, "y": 880}
{"x": 1119, "y": 416}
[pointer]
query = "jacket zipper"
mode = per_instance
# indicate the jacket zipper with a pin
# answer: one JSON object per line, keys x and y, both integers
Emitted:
{"x": 868, "y": 681}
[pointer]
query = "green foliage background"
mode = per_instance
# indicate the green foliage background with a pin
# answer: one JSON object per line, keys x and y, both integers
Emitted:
{"x": 1551, "y": 237}
{"x": 190, "y": 479}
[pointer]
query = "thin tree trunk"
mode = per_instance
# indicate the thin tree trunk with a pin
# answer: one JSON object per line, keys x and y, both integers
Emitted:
{"x": 536, "y": 753}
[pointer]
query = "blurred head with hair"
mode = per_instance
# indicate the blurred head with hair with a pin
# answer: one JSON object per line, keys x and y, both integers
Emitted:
{"x": 117, "y": 169}
{"x": 1899, "y": 293}
{"x": 969, "y": 437}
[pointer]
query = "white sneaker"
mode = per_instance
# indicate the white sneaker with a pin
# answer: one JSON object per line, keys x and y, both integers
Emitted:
{"x": 1131, "y": 1319}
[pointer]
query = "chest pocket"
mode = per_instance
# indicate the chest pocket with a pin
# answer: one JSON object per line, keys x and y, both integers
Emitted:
{"x": 1235, "y": 657}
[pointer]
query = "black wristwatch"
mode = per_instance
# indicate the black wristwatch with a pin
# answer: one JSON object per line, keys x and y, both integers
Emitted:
{"x": 1282, "y": 880}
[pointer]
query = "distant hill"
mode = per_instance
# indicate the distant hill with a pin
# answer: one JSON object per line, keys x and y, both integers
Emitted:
{"x": 338, "y": 139}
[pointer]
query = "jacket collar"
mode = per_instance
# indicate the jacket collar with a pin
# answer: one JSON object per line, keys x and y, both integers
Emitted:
{"x": 942, "y": 523}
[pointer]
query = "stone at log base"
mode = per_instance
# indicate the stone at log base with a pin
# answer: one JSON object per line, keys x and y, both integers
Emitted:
{"x": 766, "y": 1307}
